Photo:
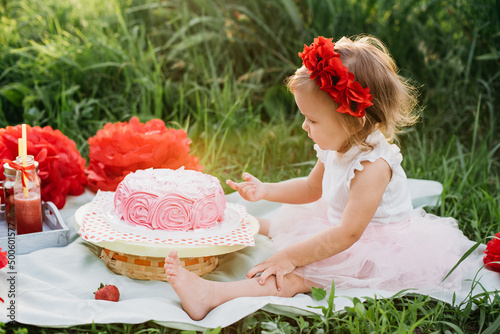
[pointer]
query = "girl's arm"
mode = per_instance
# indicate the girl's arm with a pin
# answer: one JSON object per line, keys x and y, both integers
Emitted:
{"x": 367, "y": 188}
{"x": 294, "y": 191}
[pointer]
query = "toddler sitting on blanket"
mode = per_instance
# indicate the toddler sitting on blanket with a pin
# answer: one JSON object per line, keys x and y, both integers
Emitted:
{"x": 351, "y": 220}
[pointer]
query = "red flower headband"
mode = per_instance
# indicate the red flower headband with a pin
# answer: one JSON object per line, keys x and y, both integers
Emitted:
{"x": 326, "y": 68}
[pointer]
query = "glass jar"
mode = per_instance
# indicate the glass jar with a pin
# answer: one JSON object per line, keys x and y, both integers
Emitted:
{"x": 27, "y": 199}
{"x": 8, "y": 191}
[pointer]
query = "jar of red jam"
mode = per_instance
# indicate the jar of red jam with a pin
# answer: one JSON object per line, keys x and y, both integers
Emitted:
{"x": 8, "y": 191}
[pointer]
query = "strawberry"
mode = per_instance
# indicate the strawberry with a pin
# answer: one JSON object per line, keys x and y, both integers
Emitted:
{"x": 107, "y": 292}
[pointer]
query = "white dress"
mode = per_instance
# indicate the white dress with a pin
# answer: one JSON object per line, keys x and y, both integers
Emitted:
{"x": 401, "y": 247}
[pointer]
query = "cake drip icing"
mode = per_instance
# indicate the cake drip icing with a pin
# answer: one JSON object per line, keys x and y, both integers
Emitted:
{"x": 173, "y": 200}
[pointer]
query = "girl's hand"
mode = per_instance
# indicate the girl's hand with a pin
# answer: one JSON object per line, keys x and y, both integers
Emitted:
{"x": 278, "y": 265}
{"x": 252, "y": 189}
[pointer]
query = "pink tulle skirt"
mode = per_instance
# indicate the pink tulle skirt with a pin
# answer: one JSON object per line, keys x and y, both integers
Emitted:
{"x": 417, "y": 253}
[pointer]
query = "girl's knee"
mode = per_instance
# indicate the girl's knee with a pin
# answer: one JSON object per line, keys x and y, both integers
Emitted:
{"x": 264, "y": 226}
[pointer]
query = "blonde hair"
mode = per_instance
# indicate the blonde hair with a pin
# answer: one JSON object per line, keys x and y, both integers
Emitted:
{"x": 394, "y": 98}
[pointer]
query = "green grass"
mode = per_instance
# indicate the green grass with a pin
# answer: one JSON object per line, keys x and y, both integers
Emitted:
{"x": 215, "y": 69}
{"x": 398, "y": 314}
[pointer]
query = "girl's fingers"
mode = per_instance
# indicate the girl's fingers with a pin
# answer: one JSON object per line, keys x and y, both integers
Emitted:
{"x": 265, "y": 274}
{"x": 271, "y": 272}
{"x": 279, "y": 281}
{"x": 247, "y": 189}
{"x": 244, "y": 187}
{"x": 252, "y": 272}
{"x": 259, "y": 268}
{"x": 249, "y": 177}
{"x": 232, "y": 184}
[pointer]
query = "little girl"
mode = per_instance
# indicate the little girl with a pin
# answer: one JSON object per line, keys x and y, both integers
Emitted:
{"x": 359, "y": 228}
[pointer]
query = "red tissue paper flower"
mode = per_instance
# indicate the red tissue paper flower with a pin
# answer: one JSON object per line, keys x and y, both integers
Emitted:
{"x": 121, "y": 148}
{"x": 61, "y": 167}
{"x": 3, "y": 258}
{"x": 493, "y": 253}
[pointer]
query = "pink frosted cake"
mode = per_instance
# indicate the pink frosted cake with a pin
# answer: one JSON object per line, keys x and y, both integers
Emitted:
{"x": 171, "y": 200}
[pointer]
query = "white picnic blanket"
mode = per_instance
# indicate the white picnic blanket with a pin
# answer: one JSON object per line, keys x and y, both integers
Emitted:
{"x": 54, "y": 287}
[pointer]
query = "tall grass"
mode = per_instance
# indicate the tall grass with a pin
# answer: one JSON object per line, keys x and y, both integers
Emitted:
{"x": 121, "y": 58}
{"x": 468, "y": 167}
{"x": 215, "y": 69}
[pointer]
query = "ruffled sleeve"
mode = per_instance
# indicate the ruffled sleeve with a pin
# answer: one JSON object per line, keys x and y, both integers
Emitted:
{"x": 395, "y": 205}
{"x": 321, "y": 154}
{"x": 389, "y": 152}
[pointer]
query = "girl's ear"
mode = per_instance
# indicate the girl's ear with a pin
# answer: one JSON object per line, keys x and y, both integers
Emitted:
{"x": 360, "y": 124}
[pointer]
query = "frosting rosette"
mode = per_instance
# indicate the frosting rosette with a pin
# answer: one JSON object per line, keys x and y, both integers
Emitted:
{"x": 122, "y": 191}
{"x": 137, "y": 208}
{"x": 206, "y": 210}
{"x": 172, "y": 213}
{"x": 170, "y": 200}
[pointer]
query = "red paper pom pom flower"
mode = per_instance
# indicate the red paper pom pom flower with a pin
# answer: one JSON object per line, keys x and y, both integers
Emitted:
{"x": 61, "y": 167}
{"x": 121, "y": 148}
{"x": 492, "y": 257}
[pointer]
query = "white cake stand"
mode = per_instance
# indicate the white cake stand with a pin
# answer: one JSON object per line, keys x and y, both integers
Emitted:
{"x": 162, "y": 250}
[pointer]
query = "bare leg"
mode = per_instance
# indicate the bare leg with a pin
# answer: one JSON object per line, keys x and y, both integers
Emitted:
{"x": 199, "y": 296}
{"x": 264, "y": 226}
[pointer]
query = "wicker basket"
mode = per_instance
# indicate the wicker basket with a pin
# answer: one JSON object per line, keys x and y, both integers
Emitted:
{"x": 151, "y": 268}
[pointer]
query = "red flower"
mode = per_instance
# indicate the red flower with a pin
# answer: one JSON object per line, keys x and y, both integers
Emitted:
{"x": 317, "y": 55}
{"x": 356, "y": 98}
{"x": 492, "y": 257}
{"x": 3, "y": 258}
{"x": 61, "y": 167}
{"x": 335, "y": 78}
{"x": 325, "y": 67}
{"x": 121, "y": 148}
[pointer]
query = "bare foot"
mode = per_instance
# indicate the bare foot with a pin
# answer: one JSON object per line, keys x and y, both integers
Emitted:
{"x": 193, "y": 291}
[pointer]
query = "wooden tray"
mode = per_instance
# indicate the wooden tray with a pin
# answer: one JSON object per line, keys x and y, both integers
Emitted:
{"x": 54, "y": 234}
